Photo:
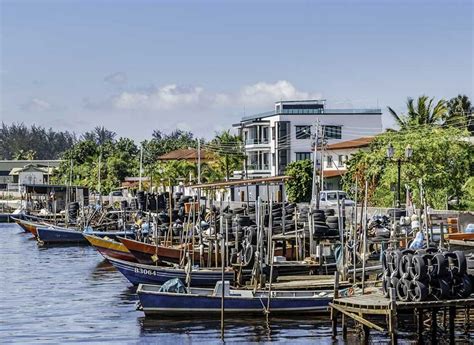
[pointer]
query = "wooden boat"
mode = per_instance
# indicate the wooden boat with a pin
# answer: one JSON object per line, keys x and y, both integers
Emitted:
{"x": 28, "y": 225}
{"x": 55, "y": 234}
{"x": 107, "y": 246}
{"x": 60, "y": 235}
{"x": 138, "y": 273}
{"x": 208, "y": 301}
{"x": 150, "y": 254}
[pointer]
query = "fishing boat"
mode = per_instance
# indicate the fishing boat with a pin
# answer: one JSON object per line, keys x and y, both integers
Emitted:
{"x": 149, "y": 254}
{"x": 29, "y": 225}
{"x": 138, "y": 273}
{"x": 208, "y": 301}
{"x": 110, "y": 247}
{"x": 59, "y": 235}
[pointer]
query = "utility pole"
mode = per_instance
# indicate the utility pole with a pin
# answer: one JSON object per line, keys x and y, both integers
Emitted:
{"x": 315, "y": 187}
{"x": 199, "y": 161}
{"x": 141, "y": 168}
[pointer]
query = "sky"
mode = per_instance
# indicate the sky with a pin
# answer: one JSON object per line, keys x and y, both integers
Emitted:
{"x": 136, "y": 66}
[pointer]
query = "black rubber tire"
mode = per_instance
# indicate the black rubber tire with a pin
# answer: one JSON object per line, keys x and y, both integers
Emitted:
{"x": 384, "y": 261}
{"x": 417, "y": 291}
{"x": 440, "y": 266}
{"x": 332, "y": 219}
{"x": 403, "y": 286}
{"x": 394, "y": 281}
{"x": 418, "y": 269}
{"x": 405, "y": 265}
{"x": 461, "y": 262}
{"x": 464, "y": 288}
{"x": 395, "y": 261}
{"x": 440, "y": 288}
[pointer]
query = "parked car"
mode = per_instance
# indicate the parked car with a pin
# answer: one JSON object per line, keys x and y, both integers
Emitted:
{"x": 328, "y": 198}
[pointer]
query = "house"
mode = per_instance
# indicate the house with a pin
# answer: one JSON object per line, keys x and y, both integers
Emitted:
{"x": 31, "y": 174}
{"x": 274, "y": 139}
{"x": 335, "y": 157}
{"x": 10, "y": 181}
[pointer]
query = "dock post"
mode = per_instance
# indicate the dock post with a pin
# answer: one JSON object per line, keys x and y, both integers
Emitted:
{"x": 419, "y": 325}
{"x": 466, "y": 320}
{"x": 434, "y": 326}
{"x": 365, "y": 334}
{"x": 333, "y": 310}
{"x": 344, "y": 327}
{"x": 393, "y": 317}
{"x": 452, "y": 316}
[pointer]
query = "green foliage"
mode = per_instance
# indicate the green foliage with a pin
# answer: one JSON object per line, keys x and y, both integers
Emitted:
{"x": 299, "y": 186}
{"x": 442, "y": 159}
{"x": 459, "y": 113}
{"x": 423, "y": 112}
{"x": 228, "y": 153}
{"x": 118, "y": 159}
{"x": 17, "y": 141}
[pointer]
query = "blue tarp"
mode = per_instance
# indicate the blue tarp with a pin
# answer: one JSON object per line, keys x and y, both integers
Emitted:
{"x": 174, "y": 285}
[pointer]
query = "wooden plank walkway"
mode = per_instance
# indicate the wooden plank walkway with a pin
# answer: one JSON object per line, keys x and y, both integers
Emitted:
{"x": 374, "y": 305}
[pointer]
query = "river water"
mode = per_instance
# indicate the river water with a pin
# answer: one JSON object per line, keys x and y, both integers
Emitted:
{"x": 70, "y": 294}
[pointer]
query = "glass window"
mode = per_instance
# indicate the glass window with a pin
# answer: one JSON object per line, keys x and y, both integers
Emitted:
{"x": 332, "y": 132}
{"x": 301, "y": 156}
{"x": 329, "y": 160}
{"x": 303, "y": 132}
{"x": 341, "y": 160}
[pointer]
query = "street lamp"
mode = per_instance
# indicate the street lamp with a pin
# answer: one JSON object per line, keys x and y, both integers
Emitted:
{"x": 408, "y": 155}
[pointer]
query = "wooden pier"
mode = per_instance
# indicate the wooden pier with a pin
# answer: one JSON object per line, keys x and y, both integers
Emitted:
{"x": 366, "y": 309}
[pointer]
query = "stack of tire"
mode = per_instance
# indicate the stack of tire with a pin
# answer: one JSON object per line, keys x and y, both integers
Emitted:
{"x": 332, "y": 222}
{"x": 425, "y": 274}
{"x": 278, "y": 219}
{"x": 320, "y": 228}
{"x": 73, "y": 211}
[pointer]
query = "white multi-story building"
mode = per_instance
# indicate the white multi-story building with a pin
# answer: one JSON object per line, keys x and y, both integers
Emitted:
{"x": 276, "y": 138}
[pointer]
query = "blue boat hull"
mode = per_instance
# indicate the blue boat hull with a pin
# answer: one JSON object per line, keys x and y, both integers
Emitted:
{"x": 148, "y": 274}
{"x": 169, "y": 304}
{"x": 60, "y": 235}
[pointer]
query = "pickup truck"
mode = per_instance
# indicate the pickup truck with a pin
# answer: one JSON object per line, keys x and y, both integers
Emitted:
{"x": 328, "y": 198}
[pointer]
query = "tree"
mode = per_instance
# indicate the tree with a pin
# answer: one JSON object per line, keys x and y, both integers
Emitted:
{"x": 17, "y": 139}
{"x": 162, "y": 143}
{"x": 299, "y": 186}
{"x": 100, "y": 135}
{"x": 423, "y": 112}
{"x": 227, "y": 151}
{"x": 459, "y": 113}
{"x": 441, "y": 158}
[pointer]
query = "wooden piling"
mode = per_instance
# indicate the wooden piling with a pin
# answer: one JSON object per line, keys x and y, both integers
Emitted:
{"x": 392, "y": 327}
{"x": 434, "y": 326}
{"x": 419, "y": 324}
{"x": 333, "y": 310}
{"x": 452, "y": 316}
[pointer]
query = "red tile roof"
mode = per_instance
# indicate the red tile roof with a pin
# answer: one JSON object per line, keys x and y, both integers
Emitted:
{"x": 184, "y": 154}
{"x": 350, "y": 144}
{"x": 333, "y": 173}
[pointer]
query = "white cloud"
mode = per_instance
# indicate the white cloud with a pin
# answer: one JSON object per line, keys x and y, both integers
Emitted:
{"x": 263, "y": 93}
{"x": 36, "y": 104}
{"x": 116, "y": 78}
{"x": 175, "y": 96}
{"x": 166, "y": 97}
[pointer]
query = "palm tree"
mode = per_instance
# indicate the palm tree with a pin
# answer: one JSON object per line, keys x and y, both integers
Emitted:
{"x": 228, "y": 149}
{"x": 423, "y": 112}
{"x": 460, "y": 112}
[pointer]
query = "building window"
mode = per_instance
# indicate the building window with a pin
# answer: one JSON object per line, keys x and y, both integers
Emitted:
{"x": 301, "y": 156}
{"x": 332, "y": 132}
{"x": 329, "y": 161}
{"x": 341, "y": 160}
{"x": 303, "y": 132}
{"x": 273, "y": 133}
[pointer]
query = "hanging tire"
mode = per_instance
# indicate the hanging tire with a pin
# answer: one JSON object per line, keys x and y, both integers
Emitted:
{"x": 441, "y": 288}
{"x": 403, "y": 286}
{"x": 440, "y": 266}
{"x": 417, "y": 291}
{"x": 395, "y": 261}
{"x": 461, "y": 263}
{"x": 418, "y": 269}
{"x": 464, "y": 288}
{"x": 405, "y": 265}
{"x": 384, "y": 261}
